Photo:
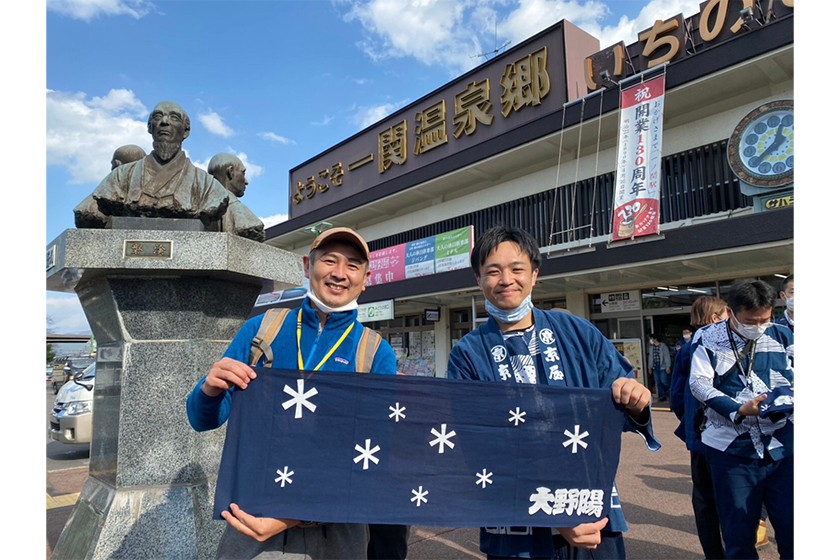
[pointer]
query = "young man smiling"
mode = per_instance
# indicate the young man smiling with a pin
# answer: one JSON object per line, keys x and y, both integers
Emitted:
{"x": 322, "y": 334}
{"x": 522, "y": 344}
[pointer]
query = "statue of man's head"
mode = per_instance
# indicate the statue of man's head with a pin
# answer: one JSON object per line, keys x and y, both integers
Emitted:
{"x": 229, "y": 171}
{"x": 169, "y": 126}
{"x": 126, "y": 154}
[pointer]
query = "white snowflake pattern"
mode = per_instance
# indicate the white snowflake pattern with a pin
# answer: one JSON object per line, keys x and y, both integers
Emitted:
{"x": 299, "y": 399}
{"x": 442, "y": 438}
{"x": 396, "y": 412}
{"x": 285, "y": 476}
{"x": 517, "y": 417}
{"x": 420, "y": 496}
{"x": 575, "y": 439}
{"x": 484, "y": 478}
{"x": 367, "y": 454}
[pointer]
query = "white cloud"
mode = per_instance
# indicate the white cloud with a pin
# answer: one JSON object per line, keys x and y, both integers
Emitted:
{"x": 66, "y": 313}
{"x": 82, "y": 133}
{"x": 451, "y": 33}
{"x": 274, "y": 220}
{"x": 252, "y": 169}
{"x": 367, "y": 115}
{"x": 532, "y": 16}
{"x": 89, "y": 9}
{"x": 277, "y": 138}
{"x": 214, "y": 124}
{"x": 324, "y": 122}
{"x": 435, "y": 32}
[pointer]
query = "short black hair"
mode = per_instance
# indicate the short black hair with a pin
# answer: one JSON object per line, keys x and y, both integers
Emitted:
{"x": 751, "y": 294}
{"x": 787, "y": 281}
{"x": 689, "y": 328}
{"x": 497, "y": 235}
{"x": 656, "y": 336}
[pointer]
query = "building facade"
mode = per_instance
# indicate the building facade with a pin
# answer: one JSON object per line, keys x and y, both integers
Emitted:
{"x": 531, "y": 139}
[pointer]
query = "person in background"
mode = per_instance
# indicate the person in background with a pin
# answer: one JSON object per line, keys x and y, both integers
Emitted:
{"x": 735, "y": 365}
{"x": 659, "y": 365}
{"x": 704, "y": 311}
{"x": 687, "y": 333}
{"x": 787, "y": 296}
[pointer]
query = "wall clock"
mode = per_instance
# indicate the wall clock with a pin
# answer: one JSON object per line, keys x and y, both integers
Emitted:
{"x": 761, "y": 146}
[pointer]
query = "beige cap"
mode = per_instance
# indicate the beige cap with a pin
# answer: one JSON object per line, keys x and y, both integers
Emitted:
{"x": 342, "y": 234}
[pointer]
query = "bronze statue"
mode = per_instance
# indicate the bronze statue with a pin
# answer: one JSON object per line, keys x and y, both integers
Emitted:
{"x": 127, "y": 154}
{"x": 230, "y": 172}
{"x": 164, "y": 184}
{"x": 87, "y": 212}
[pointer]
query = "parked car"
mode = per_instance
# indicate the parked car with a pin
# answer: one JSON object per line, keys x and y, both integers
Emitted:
{"x": 71, "y": 417}
{"x": 71, "y": 369}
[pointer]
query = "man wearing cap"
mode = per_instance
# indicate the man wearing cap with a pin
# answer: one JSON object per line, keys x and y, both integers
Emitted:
{"x": 323, "y": 333}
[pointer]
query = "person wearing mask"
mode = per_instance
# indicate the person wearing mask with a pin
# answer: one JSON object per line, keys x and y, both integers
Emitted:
{"x": 704, "y": 311}
{"x": 687, "y": 333}
{"x": 735, "y": 365}
{"x": 787, "y": 296}
{"x": 523, "y": 344}
{"x": 659, "y": 365}
{"x": 323, "y": 331}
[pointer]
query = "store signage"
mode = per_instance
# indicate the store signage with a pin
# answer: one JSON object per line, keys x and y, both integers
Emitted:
{"x": 387, "y": 265}
{"x": 452, "y": 249}
{"x": 621, "y": 301}
{"x": 521, "y": 85}
{"x": 776, "y": 202}
{"x": 376, "y": 311}
{"x": 680, "y": 37}
{"x": 438, "y": 253}
{"x": 432, "y": 315}
{"x": 420, "y": 257}
{"x": 636, "y": 207}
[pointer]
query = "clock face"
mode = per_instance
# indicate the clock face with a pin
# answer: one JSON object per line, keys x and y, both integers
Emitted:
{"x": 761, "y": 147}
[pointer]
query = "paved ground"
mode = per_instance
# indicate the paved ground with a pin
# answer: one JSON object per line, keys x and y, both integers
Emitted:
{"x": 655, "y": 491}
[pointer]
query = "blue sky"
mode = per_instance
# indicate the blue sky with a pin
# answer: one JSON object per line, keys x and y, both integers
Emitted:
{"x": 274, "y": 82}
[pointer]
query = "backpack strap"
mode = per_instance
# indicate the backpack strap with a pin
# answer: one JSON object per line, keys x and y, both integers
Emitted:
{"x": 269, "y": 327}
{"x": 366, "y": 350}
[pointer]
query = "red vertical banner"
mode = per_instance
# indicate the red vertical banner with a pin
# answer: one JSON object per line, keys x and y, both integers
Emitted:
{"x": 636, "y": 208}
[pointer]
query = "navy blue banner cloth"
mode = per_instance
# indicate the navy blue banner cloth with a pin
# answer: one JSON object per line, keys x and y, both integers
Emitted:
{"x": 364, "y": 448}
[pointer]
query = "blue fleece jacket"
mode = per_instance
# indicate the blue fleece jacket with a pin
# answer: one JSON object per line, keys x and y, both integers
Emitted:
{"x": 208, "y": 413}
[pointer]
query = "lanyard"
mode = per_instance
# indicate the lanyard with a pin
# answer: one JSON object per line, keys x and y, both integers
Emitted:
{"x": 330, "y": 353}
{"x": 738, "y": 356}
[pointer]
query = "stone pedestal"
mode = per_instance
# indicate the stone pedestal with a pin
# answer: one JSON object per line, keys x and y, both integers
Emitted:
{"x": 163, "y": 306}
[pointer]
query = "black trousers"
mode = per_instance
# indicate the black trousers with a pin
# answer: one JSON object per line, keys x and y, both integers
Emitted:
{"x": 388, "y": 542}
{"x": 705, "y": 514}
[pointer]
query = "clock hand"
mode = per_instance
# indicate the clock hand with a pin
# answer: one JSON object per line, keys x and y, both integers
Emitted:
{"x": 777, "y": 141}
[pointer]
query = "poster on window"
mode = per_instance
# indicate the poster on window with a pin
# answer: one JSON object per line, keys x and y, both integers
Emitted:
{"x": 636, "y": 209}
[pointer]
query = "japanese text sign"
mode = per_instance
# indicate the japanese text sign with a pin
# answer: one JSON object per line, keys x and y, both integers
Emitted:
{"x": 521, "y": 85}
{"x": 636, "y": 208}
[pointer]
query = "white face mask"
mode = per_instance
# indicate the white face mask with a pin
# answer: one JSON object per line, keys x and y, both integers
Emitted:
{"x": 789, "y": 304}
{"x": 750, "y": 332}
{"x": 510, "y": 316}
{"x": 686, "y": 337}
{"x": 326, "y": 309}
